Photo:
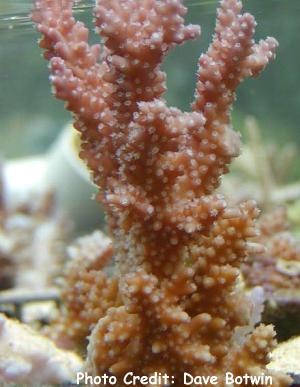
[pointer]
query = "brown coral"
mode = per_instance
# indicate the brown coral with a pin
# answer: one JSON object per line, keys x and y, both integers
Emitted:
{"x": 87, "y": 292}
{"x": 178, "y": 248}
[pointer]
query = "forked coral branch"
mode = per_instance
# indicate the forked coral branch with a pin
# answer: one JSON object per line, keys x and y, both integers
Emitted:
{"x": 178, "y": 247}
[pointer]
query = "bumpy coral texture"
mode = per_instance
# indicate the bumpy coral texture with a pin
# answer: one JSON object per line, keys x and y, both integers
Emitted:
{"x": 278, "y": 267}
{"x": 178, "y": 247}
{"x": 87, "y": 292}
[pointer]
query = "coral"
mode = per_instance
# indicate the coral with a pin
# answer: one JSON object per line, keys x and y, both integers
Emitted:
{"x": 286, "y": 357}
{"x": 32, "y": 238}
{"x": 177, "y": 245}
{"x": 279, "y": 265}
{"x": 26, "y": 356}
{"x": 277, "y": 270}
{"x": 87, "y": 291}
{"x": 262, "y": 172}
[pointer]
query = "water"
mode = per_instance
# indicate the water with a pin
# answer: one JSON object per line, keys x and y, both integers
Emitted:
{"x": 31, "y": 118}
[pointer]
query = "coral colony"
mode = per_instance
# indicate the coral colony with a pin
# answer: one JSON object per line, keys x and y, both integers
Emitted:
{"x": 178, "y": 247}
{"x": 278, "y": 267}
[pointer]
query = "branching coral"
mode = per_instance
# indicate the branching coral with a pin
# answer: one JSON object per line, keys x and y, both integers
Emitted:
{"x": 178, "y": 247}
{"x": 87, "y": 291}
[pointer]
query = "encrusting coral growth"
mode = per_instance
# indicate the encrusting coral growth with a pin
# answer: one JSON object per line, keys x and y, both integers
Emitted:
{"x": 178, "y": 247}
{"x": 279, "y": 265}
{"x": 277, "y": 271}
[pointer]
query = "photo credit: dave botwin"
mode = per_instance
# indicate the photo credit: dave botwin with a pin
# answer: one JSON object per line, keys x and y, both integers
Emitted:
{"x": 229, "y": 378}
{"x": 158, "y": 378}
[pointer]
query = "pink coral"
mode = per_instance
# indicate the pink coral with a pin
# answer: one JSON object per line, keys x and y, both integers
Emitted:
{"x": 178, "y": 248}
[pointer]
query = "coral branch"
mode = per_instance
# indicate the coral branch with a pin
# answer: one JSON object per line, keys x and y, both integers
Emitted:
{"x": 178, "y": 247}
{"x": 87, "y": 292}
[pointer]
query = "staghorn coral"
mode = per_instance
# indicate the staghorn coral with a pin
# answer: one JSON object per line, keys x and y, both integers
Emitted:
{"x": 178, "y": 247}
